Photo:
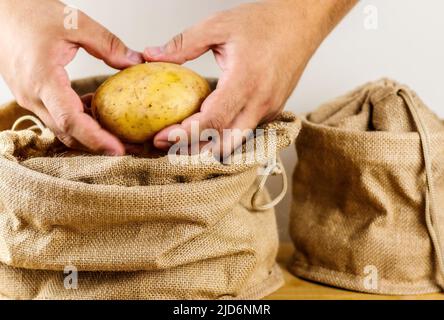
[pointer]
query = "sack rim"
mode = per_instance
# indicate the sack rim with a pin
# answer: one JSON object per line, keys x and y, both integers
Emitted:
{"x": 15, "y": 168}
{"x": 352, "y": 134}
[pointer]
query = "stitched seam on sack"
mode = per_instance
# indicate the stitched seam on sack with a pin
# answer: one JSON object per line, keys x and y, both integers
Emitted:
{"x": 317, "y": 271}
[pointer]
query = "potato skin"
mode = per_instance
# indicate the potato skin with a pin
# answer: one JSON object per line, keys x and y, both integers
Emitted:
{"x": 140, "y": 101}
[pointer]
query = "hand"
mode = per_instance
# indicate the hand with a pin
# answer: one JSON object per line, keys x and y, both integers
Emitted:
{"x": 262, "y": 49}
{"x": 35, "y": 48}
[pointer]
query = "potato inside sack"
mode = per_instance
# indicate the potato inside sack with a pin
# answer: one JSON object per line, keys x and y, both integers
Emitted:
{"x": 140, "y": 101}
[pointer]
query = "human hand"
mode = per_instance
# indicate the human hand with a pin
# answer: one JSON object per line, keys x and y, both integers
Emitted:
{"x": 262, "y": 49}
{"x": 35, "y": 48}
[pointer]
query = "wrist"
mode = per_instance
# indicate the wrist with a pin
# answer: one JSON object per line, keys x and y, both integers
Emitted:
{"x": 317, "y": 17}
{"x": 325, "y": 14}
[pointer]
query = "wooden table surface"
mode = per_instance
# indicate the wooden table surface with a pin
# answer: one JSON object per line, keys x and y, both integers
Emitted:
{"x": 298, "y": 289}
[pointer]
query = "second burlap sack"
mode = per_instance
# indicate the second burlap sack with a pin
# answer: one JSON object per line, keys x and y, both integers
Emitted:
{"x": 368, "y": 208}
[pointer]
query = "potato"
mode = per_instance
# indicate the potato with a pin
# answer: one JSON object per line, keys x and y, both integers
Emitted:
{"x": 138, "y": 102}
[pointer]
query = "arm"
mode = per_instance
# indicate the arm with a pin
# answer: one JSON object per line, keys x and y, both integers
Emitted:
{"x": 262, "y": 49}
{"x": 36, "y": 47}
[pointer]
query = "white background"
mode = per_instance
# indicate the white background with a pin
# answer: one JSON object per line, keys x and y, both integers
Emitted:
{"x": 408, "y": 46}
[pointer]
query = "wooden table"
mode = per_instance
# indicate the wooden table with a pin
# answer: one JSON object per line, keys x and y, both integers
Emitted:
{"x": 298, "y": 289}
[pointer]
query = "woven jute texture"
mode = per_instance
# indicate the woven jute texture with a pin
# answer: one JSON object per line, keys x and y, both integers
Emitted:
{"x": 134, "y": 228}
{"x": 368, "y": 193}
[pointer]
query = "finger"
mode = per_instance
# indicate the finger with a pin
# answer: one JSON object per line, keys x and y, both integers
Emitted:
{"x": 188, "y": 45}
{"x": 232, "y": 137}
{"x": 103, "y": 44}
{"x": 241, "y": 129}
{"x": 218, "y": 110}
{"x": 67, "y": 140}
{"x": 67, "y": 111}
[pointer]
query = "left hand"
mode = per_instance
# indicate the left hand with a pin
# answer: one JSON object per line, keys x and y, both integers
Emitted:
{"x": 262, "y": 49}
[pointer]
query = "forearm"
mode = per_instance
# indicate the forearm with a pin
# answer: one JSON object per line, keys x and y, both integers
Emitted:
{"x": 318, "y": 17}
{"x": 327, "y": 13}
{"x": 323, "y": 12}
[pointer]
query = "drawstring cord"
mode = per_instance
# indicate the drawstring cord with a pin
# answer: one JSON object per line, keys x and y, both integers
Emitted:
{"x": 275, "y": 168}
{"x": 430, "y": 210}
{"x": 37, "y": 123}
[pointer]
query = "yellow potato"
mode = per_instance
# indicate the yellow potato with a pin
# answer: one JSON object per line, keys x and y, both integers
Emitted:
{"x": 138, "y": 102}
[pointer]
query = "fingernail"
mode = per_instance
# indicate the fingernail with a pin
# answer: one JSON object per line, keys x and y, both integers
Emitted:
{"x": 114, "y": 153}
{"x": 154, "y": 51}
{"x": 163, "y": 145}
{"x": 134, "y": 56}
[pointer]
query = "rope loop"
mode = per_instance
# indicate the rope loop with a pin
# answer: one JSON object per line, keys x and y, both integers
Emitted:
{"x": 430, "y": 194}
{"x": 38, "y": 125}
{"x": 272, "y": 169}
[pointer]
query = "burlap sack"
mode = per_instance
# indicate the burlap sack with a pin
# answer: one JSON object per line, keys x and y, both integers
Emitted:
{"x": 368, "y": 194}
{"x": 134, "y": 228}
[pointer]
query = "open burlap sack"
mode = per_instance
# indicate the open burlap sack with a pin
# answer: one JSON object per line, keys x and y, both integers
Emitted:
{"x": 368, "y": 204}
{"x": 134, "y": 228}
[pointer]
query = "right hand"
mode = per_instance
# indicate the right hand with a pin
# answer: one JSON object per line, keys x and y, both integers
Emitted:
{"x": 35, "y": 47}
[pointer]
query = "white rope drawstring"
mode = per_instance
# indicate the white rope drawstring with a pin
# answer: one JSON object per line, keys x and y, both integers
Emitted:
{"x": 273, "y": 169}
{"x": 37, "y": 123}
{"x": 430, "y": 194}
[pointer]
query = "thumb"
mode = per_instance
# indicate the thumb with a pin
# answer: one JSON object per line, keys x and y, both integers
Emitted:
{"x": 67, "y": 112}
{"x": 186, "y": 46}
{"x": 103, "y": 44}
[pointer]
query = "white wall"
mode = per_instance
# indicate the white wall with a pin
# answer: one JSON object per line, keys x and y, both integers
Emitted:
{"x": 407, "y": 46}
